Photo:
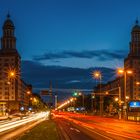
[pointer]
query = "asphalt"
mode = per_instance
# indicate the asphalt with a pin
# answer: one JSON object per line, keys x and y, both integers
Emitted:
{"x": 94, "y": 128}
{"x": 69, "y": 131}
{"x": 82, "y": 127}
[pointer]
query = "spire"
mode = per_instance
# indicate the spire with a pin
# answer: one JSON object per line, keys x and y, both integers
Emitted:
{"x": 8, "y": 24}
{"x": 50, "y": 87}
{"x": 136, "y": 27}
{"x": 8, "y": 15}
{"x": 137, "y": 21}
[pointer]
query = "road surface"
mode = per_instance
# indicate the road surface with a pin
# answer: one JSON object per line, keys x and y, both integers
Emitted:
{"x": 82, "y": 127}
{"x": 13, "y": 128}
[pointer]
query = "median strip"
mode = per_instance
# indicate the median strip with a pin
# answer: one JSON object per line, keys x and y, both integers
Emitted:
{"x": 44, "y": 131}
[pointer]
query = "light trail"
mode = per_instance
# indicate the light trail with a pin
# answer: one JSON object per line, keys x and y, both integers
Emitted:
{"x": 120, "y": 128}
{"x": 13, "y": 124}
{"x": 13, "y": 120}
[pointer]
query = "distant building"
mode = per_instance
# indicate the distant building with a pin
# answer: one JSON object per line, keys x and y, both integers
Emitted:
{"x": 112, "y": 88}
{"x": 26, "y": 95}
{"x": 11, "y": 89}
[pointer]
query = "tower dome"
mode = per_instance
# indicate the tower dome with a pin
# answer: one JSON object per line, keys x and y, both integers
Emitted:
{"x": 8, "y": 24}
{"x": 8, "y": 40}
{"x": 136, "y": 28}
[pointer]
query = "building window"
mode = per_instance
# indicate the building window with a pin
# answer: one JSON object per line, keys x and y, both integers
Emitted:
{"x": 6, "y": 60}
{"x": 6, "y": 97}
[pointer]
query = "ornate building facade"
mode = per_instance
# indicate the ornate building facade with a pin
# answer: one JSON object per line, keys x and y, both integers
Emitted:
{"x": 11, "y": 88}
{"x": 132, "y": 63}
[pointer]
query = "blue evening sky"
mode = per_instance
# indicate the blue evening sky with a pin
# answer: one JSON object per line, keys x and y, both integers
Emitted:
{"x": 63, "y": 32}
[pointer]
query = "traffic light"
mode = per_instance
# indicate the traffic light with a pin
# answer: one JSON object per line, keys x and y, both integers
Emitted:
{"x": 93, "y": 96}
{"x": 75, "y": 94}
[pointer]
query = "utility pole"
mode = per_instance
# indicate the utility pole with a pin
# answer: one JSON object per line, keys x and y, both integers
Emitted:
{"x": 101, "y": 98}
{"x": 55, "y": 101}
{"x": 98, "y": 75}
{"x": 51, "y": 96}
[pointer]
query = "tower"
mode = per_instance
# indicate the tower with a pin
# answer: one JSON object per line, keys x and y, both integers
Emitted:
{"x": 10, "y": 95}
{"x": 8, "y": 41}
{"x": 133, "y": 62}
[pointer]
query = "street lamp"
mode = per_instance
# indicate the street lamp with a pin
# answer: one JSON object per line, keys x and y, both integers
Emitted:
{"x": 137, "y": 83}
{"x": 97, "y": 75}
{"x": 125, "y": 72}
{"x": 81, "y": 94}
{"x": 34, "y": 100}
{"x": 63, "y": 105}
{"x": 11, "y": 74}
{"x": 29, "y": 95}
{"x": 116, "y": 99}
{"x": 28, "y": 92}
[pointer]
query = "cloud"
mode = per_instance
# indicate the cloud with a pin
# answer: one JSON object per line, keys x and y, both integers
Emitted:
{"x": 39, "y": 76}
{"x": 88, "y": 54}
{"x": 73, "y": 81}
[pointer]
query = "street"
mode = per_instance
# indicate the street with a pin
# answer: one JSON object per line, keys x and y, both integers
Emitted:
{"x": 73, "y": 126}
{"x": 69, "y": 131}
{"x": 78, "y": 126}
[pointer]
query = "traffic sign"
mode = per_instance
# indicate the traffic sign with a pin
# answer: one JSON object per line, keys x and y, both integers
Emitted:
{"x": 45, "y": 92}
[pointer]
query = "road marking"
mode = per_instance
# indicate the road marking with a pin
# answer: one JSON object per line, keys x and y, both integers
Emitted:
{"x": 122, "y": 135}
{"x": 89, "y": 128}
{"x": 77, "y": 130}
{"x": 99, "y": 134}
{"x": 71, "y": 128}
{"x": 64, "y": 133}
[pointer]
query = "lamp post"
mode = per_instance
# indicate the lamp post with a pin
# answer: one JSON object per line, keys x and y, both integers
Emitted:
{"x": 83, "y": 98}
{"x": 125, "y": 72}
{"x": 29, "y": 94}
{"x": 11, "y": 75}
{"x": 55, "y": 101}
{"x": 98, "y": 75}
{"x": 8, "y": 83}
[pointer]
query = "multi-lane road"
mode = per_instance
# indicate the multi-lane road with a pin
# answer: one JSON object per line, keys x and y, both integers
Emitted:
{"x": 82, "y": 127}
{"x": 73, "y": 126}
{"x": 69, "y": 131}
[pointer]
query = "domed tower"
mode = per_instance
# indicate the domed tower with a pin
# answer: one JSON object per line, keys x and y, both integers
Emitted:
{"x": 10, "y": 60}
{"x": 135, "y": 40}
{"x": 132, "y": 62}
{"x": 8, "y": 41}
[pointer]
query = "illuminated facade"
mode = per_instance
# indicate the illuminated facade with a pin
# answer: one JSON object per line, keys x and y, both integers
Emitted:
{"x": 11, "y": 95}
{"x": 133, "y": 62}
